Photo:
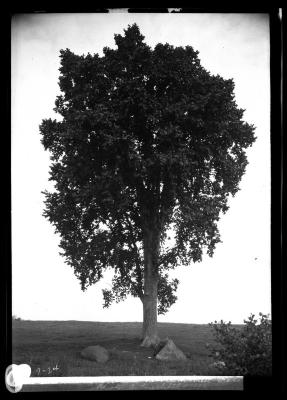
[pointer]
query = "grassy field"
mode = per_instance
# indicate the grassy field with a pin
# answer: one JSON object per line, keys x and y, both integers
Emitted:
{"x": 52, "y": 348}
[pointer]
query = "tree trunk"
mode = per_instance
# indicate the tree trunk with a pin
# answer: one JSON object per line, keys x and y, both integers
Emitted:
{"x": 149, "y": 334}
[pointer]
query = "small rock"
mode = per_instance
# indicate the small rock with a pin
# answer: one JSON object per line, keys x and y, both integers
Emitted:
{"x": 95, "y": 353}
{"x": 170, "y": 352}
{"x": 218, "y": 364}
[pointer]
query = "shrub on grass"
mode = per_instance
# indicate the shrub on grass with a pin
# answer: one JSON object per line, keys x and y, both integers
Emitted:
{"x": 246, "y": 350}
{"x": 15, "y": 318}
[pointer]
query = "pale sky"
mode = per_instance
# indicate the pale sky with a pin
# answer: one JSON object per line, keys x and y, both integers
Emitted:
{"x": 231, "y": 284}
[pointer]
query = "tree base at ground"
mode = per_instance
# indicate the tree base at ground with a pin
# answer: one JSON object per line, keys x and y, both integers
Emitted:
{"x": 150, "y": 341}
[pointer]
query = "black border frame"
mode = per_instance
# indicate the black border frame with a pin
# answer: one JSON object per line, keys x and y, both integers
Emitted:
{"x": 278, "y": 189}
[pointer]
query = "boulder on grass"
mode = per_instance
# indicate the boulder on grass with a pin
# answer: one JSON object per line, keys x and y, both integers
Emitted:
{"x": 95, "y": 353}
{"x": 170, "y": 352}
{"x": 160, "y": 345}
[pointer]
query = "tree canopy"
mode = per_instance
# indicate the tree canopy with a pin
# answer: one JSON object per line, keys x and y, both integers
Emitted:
{"x": 148, "y": 141}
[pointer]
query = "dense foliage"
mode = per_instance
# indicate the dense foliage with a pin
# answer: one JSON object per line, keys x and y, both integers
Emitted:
{"x": 247, "y": 350}
{"x": 148, "y": 140}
